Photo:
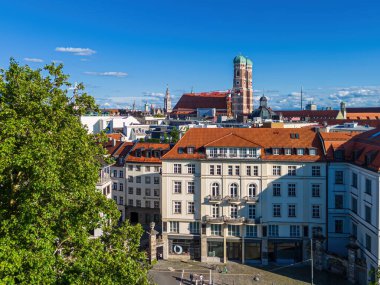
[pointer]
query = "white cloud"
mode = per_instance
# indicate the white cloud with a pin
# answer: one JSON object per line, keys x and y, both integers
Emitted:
{"x": 33, "y": 59}
{"x": 76, "y": 51}
{"x": 108, "y": 73}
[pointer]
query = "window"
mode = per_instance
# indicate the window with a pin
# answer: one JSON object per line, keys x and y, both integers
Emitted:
{"x": 315, "y": 190}
{"x": 315, "y": 211}
{"x": 219, "y": 170}
{"x": 251, "y": 231}
{"x": 276, "y": 151}
{"x": 248, "y": 169}
{"x": 147, "y": 204}
{"x": 190, "y": 150}
{"x": 130, "y": 178}
{"x": 273, "y": 230}
{"x": 251, "y": 211}
{"x": 338, "y": 177}
{"x": 233, "y": 152}
{"x": 147, "y": 179}
{"x": 276, "y": 210}
{"x": 288, "y": 151}
{"x": 156, "y": 204}
{"x": 233, "y": 190}
{"x": 215, "y": 189}
{"x": 114, "y": 186}
{"x": 367, "y": 214}
{"x": 147, "y": 218}
{"x": 229, "y": 169}
{"x": 174, "y": 227}
{"x": 177, "y": 187}
{"x": 276, "y": 189}
{"x": 156, "y": 180}
{"x": 190, "y": 187}
{"x": 121, "y": 187}
{"x": 147, "y": 168}
{"x": 130, "y": 167}
{"x": 177, "y": 207}
{"x": 138, "y": 191}
{"x": 316, "y": 232}
{"x": 233, "y": 230}
{"x": 215, "y": 211}
{"x": 251, "y": 190}
{"x": 212, "y": 169}
{"x": 114, "y": 173}
{"x": 138, "y": 203}
{"x": 138, "y": 179}
{"x": 190, "y": 207}
{"x": 354, "y": 230}
{"x": 354, "y": 180}
{"x": 276, "y": 170}
{"x": 368, "y": 187}
{"x": 191, "y": 168}
{"x": 121, "y": 174}
{"x": 156, "y": 192}
{"x": 292, "y": 190}
{"x": 156, "y": 169}
{"x": 368, "y": 242}
{"x": 216, "y": 230}
{"x": 194, "y": 228}
{"x": 234, "y": 211}
{"x": 130, "y": 202}
{"x": 292, "y": 211}
{"x": 237, "y": 170}
{"x": 339, "y": 226}
{"x": 255, "y": 170}
{"x": 300, "y": 151}
{"x": 338, "y": 201}
{"x": 315, "y": 171}
{"x": 354, "y": 205}
{"x": 177, "y": 168}
{"x": 130, "y": 190}
{"x": 138, "y": 167}
{"x": 121, "y": 200}
{"x": 147, "y": 192}
{"x": 292, "y": 170}
{"x": 312, "y": 151}
{"x": 294, "y": 231}
{"x": 213, "y": 152}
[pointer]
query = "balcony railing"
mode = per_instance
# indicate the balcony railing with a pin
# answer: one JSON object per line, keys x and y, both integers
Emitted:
{"x": 251, "y": 199}
{"x": 255, "y": 221}
{"x": 214, "y": 220}
{"x": 214, "y": 199}
{"x": 234, "y": 221}
{"x": 232, "y": 155}
{"x": 104, "y": 179}
{"x": 232, "y": 199}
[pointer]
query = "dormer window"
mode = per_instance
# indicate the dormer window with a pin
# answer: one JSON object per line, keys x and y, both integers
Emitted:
{"x": 180, "y": 150}
{"x": 312, "y": 151}
{"x": 148, "y": 153}
{"x": 288, "y": 151}
{"x": 300, "y": 151}
{"x": 138, "y": 153}
{"x": 190, "y": 149}
{"x": 275, "y": 151}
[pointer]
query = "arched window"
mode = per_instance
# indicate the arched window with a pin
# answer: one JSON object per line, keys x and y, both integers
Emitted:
{"x": 215, "y": 189}
{"x": 251, "y": 190}
{"x": 233, "y": 190}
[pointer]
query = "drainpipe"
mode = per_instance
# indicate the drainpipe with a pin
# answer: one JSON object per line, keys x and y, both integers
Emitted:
{"x": 327, "y": 205}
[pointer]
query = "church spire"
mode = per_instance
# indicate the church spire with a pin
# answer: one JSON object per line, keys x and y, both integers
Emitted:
{"x": 167, "y": 101}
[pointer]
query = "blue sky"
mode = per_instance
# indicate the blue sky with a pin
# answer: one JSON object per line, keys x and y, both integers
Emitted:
{"x": 130, "y": 50}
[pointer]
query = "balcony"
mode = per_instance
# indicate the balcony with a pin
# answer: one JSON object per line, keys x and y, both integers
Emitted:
{"x": 214, "y": 199}
{"x": 214, "y": 220}
{"x": 251, "y": 199}
{"x": 234, "y": 221}
{"x": 103, "y": 179}
{"x": 233, "y": 199}
{"x": 255, "y": 221}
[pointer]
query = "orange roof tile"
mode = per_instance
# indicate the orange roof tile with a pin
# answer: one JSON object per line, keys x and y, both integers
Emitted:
{"x": 132, "y": 157}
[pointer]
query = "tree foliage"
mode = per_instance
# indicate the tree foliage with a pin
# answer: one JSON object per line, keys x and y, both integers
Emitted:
{"x": 48, "y": 198}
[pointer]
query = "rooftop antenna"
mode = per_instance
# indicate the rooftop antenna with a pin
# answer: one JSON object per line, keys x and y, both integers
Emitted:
{"x": 301, "y": 98}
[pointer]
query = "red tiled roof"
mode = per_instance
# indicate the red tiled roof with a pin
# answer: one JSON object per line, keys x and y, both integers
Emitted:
{"x": 112, "y": 146}
{"x": 312, "y": 114}
{"x": 189, "y": 102}
{"x": 162, "y": 147}
{"x": 116, "y": 136}
{"x": 252, "y": 137}
{"x": 363, "y": 110}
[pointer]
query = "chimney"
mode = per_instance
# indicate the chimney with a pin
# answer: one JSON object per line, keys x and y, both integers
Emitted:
{"x": 113, "y": 142}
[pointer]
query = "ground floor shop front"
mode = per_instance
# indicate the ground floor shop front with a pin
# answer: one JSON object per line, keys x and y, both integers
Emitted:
{"x": 215, "y": 249}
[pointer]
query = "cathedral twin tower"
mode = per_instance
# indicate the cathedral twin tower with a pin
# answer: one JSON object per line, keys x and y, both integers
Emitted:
{"x": 242, "y": 91}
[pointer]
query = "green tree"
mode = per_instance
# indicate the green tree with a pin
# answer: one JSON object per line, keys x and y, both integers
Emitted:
{"x": 48, "y": 199}
{"x": 174, "y": 135}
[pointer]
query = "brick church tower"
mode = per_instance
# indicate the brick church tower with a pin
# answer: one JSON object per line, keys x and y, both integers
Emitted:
{"x": 242, "y": 92}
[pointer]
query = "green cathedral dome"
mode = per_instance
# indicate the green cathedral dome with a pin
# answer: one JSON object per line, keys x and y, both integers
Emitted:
{"x": 240, "y": 59}
{"x": 249, "y": 62}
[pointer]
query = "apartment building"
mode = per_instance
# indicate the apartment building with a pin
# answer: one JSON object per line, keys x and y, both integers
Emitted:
{"x": 353, "y": 203}
{"x": 252, "y": 195}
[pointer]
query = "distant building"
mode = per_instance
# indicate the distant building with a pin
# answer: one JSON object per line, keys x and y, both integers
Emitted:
{"x": 167, "y": 102}
{"x": 264, "y": 112}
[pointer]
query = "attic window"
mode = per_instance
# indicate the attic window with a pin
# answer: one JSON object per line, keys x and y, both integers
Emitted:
{"x": 300, "y": 151}
{"x": 190, "y": 149}
{"x": 180, "y": 150}
{"x": 312, "y": 151}
{"x": 275, "y": 151}
{"x": 148, "y": 153}
{"x": 288, "y": 151}
{"x": 294, "y": 136}
{"x": 138, "y": 152}
{"x": 339, "y": 154}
